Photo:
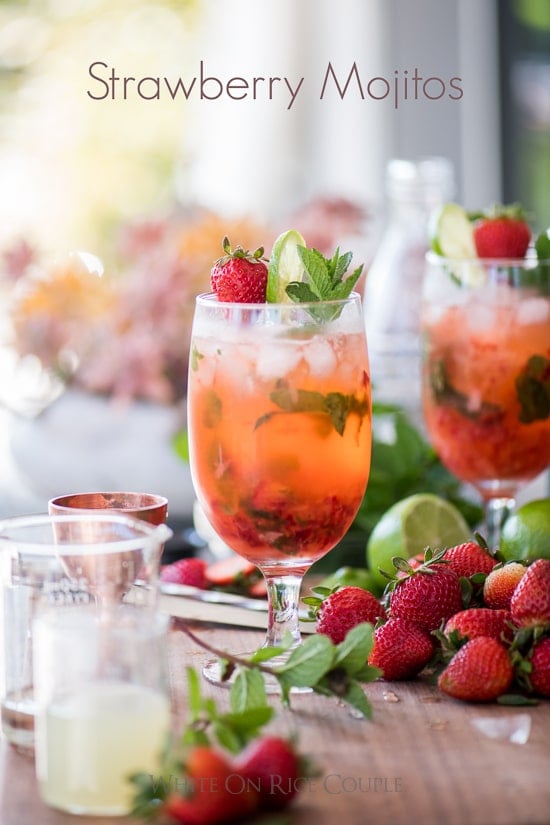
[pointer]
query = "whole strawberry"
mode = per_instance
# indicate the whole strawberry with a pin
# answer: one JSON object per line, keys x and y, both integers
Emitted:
{"x": 480, "y": 621}
{"x": 500, "y": 584}
{"x": 346, "y": 608}
{"x": 239, "y": 276}
{"x": 189, "y": 571}
{"x": 530, "y": 603}
{"x": 428, "y": 595}
{"x": 469, "y": 558}
{"x": 502, "y": 233}
{"x": 401, "y": 649}
{"x": 480, "y": 671}
{"x": 211, "y": 792}
{"x": 540, "y": 668}
{"x": 272, "y": 767}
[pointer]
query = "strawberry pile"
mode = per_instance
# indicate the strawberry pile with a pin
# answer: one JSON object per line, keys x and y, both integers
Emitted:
{"x": 483, "y": 626}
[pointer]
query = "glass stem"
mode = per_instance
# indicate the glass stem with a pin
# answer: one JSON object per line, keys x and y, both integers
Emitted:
{"x": 497, "y": 511}
{"x": 283, "y": 596}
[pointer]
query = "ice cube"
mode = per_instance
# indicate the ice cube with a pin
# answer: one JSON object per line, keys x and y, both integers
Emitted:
{"x": 275, "y": 359}
{"x": 534, "y": 311}
{"x": 320, "y": 356}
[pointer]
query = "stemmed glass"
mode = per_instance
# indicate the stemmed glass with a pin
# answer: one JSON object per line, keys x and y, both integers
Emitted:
{"x": 486, "y": 375}
{"x": 279, "y": 417}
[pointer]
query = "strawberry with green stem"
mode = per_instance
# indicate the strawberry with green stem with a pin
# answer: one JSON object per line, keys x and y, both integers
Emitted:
{"x": 426, "y": 595}
{"x": 240, "y": 276}
{"x": 530, "y": 601}
{"x": 337, "y": 611}
{"x": 502, "y": 232}
{"x": 480, "y": 671}
{"x": 401, "y": 649}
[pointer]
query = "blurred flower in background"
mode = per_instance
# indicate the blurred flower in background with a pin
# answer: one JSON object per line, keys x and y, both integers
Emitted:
{"x": 123, "y": 333}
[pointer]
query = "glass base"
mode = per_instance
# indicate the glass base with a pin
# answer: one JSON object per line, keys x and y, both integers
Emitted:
{"x": 212, "y": 672}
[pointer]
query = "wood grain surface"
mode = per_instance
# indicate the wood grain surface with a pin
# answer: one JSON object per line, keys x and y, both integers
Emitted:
{"x": 420, "y": 760}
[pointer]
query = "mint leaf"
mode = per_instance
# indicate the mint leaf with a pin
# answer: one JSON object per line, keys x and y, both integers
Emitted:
{"x": 323, "y": 281}
{"x": 247, "y": 691}
{"x": 196, "y": 356}
{"x": 533, "y": 390}
{"x": 307, "y": 663}
{"x": 340, "y": 265}
{"x": 234, "y": 730}
{"x": 300, "y": 293}
{"x": 317, "y": 272}
{"x": 353, "y": 652}
{"x": 445, "y": 394}
{"x": 334, "y": 404}
{"x": 355, "y": 696}
{"x": 542, "y": 246}
{"x": 516, "y": 699}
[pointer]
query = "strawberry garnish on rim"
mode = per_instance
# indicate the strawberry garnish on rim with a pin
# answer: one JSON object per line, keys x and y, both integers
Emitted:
{"x": 240, "y": 276}
{"x": 502, "y": 232}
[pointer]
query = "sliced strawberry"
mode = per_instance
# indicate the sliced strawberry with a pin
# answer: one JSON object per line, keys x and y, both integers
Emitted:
{"x": 258, "y": 589}
{"x": 189, "y": 571}
{"x": 230, "y": 571}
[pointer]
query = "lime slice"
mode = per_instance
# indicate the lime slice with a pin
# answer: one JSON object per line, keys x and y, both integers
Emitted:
{"x": 284, "y": 266}
{"x": 452, "y": 236}
{"x": 414, "y": 523}
{"x": 451, "y": 232}
{"x": 526, "y": 533}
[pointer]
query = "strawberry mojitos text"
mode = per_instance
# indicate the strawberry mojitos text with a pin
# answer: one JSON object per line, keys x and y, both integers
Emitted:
{"x": 280, "y": 411}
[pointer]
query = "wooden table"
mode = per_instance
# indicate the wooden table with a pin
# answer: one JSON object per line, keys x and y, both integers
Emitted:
{"x": 420, "y": 760}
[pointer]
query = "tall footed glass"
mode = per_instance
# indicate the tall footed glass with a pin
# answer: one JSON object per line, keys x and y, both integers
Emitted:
{"x": 279, "y": 417}
{"x": 486, "y": 375}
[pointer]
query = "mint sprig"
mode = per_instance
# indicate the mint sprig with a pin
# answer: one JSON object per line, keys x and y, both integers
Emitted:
{"x": 323, "y": 280}
{"x": 326, "y": 668}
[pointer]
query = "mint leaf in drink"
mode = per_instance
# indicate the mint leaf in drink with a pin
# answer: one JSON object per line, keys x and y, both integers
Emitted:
{"x": 334, "y": 404}
{"x": 446, "y": 394}
{"x": 533, "y": 390}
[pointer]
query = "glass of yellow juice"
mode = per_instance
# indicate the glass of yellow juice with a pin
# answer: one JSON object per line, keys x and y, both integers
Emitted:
{"x": 102, "y": 706}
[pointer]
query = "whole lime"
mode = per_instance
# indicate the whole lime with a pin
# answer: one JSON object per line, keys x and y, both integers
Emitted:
{"x": 347, "y": 576}
{"x": 410, "y": 526}
{"x": 526, "y": 533}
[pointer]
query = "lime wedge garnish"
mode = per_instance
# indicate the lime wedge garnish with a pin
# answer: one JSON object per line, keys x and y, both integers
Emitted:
{"x": 451, "y": 232}
{"x": 284, "y": 266}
